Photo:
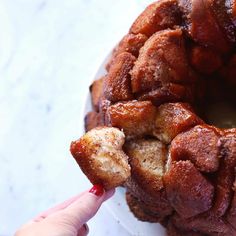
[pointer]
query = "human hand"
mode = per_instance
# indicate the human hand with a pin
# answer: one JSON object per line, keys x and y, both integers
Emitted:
{"x": 68, "y": 218}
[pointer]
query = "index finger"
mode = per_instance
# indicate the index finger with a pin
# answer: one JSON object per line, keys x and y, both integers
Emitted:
{"x": 56, "y": 208}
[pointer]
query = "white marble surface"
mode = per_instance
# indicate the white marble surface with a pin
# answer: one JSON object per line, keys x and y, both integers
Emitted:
{"x": 49, "y": 52}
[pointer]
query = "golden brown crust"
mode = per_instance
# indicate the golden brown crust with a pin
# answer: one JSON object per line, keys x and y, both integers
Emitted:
{"x": 188, "y": 191}
{"x": 103, "y": 106}
{"x": 130, "y": 43}
{"x": 220, "y": 218}
{"x": 233, "y": 10}
{"x": 231, "y": 215}
{"x": 226, "y": 174}
{"x": 224, "y": 19}
{"x": 206, "y": 32}
{"x": 201, "y": 145}
{"x": 158, "y": 203}
{"x": 117, "y": 82}
{"x": 147, "y": 159}
{"x": 172, "y": 230}
{"x": 162, "y": 60}
{"x": 168, "y": 93}
{"x": 172, "y": 119}
{"x": 158, "y": 200}
{"x": 136, "y": 207}
{"x": 91, "y": 120}
{"x": 205, "y": 223}
{"x": 100, "y": 156}
{"x": 135, "y": 118}
{"x": 96, "y": 90}
{"x": 144, "y": 211}
{"x": 137, "y": 191}
{"x": 160, "y": 15}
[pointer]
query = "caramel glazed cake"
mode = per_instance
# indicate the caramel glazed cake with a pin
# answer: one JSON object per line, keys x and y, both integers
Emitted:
{"x": 149, "y": 131}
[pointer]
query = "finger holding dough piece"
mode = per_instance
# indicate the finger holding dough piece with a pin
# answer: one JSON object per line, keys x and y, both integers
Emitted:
{"x": 100, "y": 156}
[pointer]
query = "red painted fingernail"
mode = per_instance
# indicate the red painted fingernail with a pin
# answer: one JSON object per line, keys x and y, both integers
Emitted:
{"x": 97, "y": 190}
{"x": 86, "y": 228}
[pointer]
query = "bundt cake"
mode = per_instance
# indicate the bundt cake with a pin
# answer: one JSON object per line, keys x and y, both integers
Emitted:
{"x": 149, "y": 130}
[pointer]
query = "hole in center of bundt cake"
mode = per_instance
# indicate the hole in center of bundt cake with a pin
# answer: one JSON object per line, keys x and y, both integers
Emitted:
{"x": 221, "y": 114}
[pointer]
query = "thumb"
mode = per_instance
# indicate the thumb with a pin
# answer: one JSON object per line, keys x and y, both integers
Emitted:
{"x": 83, "y": 209}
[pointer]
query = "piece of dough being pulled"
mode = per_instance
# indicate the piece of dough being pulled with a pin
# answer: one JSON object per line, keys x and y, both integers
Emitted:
{"x": 100, "y": 156}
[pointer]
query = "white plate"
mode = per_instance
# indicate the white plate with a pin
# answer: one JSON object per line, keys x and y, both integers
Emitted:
{"x": 117, "y": 205}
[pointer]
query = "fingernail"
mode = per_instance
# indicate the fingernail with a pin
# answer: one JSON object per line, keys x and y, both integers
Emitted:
{"x": 86, "y": 228}
{"x": 97, "y": 190}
